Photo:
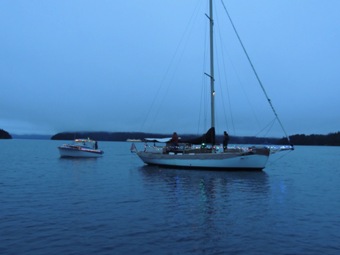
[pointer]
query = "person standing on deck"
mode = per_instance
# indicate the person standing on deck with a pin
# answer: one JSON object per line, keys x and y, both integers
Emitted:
{"x": 174, "y": 139}
{"x": 225, "y": 140}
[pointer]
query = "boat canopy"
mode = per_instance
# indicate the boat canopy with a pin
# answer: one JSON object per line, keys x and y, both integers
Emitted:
{"x": 81, "y": 140}
{"x": 158, "y": 140}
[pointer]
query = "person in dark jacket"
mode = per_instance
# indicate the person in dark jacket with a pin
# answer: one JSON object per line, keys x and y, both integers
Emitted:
{"x": 174, "y": 139}
{"x": 225, "y": 140}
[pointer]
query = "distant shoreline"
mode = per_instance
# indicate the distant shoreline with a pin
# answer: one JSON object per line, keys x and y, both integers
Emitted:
{"x": 37, "y": 137}
{"x": 331, "y": 139}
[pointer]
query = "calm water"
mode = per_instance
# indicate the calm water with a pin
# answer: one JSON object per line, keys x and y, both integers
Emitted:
{"x": 116, "y": 205}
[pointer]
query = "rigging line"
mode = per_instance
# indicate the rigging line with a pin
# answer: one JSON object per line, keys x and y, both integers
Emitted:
{"x": 225, "y": 78}
{"x": 279, "y": 158}
{"x": 267, "y": 127}
{"x": 203, "y": 86}
{"x": 252, "y": 66}
{"x": 204, "y": 97}
{"x": 230, "y": 105}
{"x": 252, "y": 108}
{"x": 242, "y": 87}
{"x": 168, "y": 71}
{"x": 179, "y": 53}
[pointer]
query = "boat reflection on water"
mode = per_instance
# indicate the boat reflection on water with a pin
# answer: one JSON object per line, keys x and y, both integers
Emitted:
{"x": 78, "y": 165}
{"x": 257, "y": 181}
{"x": 207, "y": 182}
{"x": 210, "y": 205}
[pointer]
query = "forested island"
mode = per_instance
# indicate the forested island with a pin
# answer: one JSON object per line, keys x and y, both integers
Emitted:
{"x": 4, "y": 134}
{"x": 123, "y": 136}
{"x": 332, "y": 139}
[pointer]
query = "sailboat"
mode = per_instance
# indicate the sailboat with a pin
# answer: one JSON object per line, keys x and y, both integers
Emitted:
{"x": 203, "y": 152}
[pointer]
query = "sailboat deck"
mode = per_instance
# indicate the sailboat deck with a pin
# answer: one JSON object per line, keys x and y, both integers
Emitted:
{"x": 207, "y": 153}
{"x": 231, "y": 159}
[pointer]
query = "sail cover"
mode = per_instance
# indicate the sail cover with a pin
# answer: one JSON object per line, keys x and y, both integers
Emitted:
{"x": 207, "y": 138}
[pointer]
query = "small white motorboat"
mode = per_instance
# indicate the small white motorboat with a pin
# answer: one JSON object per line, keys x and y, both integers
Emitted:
{"x": 81, "y": 148}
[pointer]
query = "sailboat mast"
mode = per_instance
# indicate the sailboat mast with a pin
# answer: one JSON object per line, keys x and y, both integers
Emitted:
{"x": 212, "y": 80}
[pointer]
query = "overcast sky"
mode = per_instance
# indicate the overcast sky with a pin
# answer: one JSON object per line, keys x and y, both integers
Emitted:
{"x": 129, "y": 65}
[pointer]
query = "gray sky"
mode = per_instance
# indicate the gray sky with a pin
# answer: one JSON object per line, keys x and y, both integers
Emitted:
{"x": 129, "y": 65}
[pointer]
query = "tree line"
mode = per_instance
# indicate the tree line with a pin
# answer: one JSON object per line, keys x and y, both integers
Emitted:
{"x": 332, "y": 139}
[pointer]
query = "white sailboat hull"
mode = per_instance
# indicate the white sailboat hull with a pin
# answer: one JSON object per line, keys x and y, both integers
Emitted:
{"x": 256, "y": 160}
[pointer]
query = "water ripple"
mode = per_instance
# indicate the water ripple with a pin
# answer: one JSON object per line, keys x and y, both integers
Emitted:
{"x": 115, "y": 205}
